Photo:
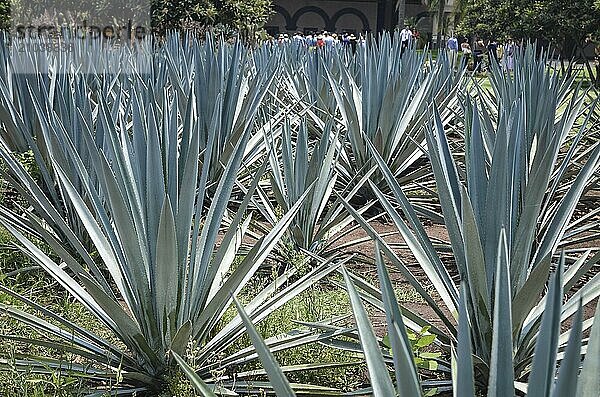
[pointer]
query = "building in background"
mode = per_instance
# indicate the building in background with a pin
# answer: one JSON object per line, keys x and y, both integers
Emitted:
{"x": 353, "y": 16}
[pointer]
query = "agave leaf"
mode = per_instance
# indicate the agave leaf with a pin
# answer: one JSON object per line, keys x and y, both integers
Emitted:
{"x": 474, "y": 255}
{"x": 126, "y": 328}
{"x": 556, "y": 228}
{"x": 412, "y": 320}
{"x": 66, "y": 347}
{"x": 476, "y": 276}
{"x": 101, "y": 243}
{"x": 79, "y": 335}
{"x": 580, "y": 267}
{"x": 463, "y": 375}
{"x": 280, "y": 343}
{"x": 244, "y": 272}
{"x": 197, "y": 382}
{"x": 210, "y": 230}
{"x": 278, "y": 380}
{"x": 398, "y": 263}
{"x": 255, "y": 388}
{"x": 69, "y": 339}
{"x": 167, "y": 270}
{"x": 544, "y": 357}
{"x": 181, "y": 338}
{"x": 48, "y": 366}
{"x": 448, "y": 291}
{"x": 85, "y": 297}
{"x": 379, "y": 375}
{"x": 501, "y": 380}
{"x": 526, "y": 298}
{"x": 575, "y": 143}
{"x": 587, "y": 293}
{"x": 476, "y": 168}
{"x": 423, "y": 250}
{"x": 225, "y": 255}
{"x": 569, "y": 367}
{"x": 525, "y": 233}
{"x": 448, "y": 186}
{"x": 407, "y": 379}
{"x": 299, "y": 368}
{"x": 293, "y": 172}
{"x": 589, "y": 382}
{"x": 413, "y": 107}
{"x": 269, "y": 300}
{"x": 188, "y": 180}
{"x": 37, "y": 199}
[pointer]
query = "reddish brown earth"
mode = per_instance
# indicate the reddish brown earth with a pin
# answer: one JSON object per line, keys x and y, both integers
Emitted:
{"x": 366, "y": 251}
{"x": 437, "y": 233}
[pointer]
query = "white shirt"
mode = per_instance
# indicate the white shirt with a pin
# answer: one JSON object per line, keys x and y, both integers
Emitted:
{"x": 299, "y": 39}
{"x": 405, "y": 34}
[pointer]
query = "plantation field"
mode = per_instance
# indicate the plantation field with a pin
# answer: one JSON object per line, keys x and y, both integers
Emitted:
{"x": 194, "y": 217}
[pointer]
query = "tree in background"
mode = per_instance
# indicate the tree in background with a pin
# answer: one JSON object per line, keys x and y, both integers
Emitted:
{"x": 488, "y": 19}
{"x": 438, "y": 6}
{"x": 4, "y": 14}
{"x": 566, "y": 25}
{"x": 561, "y": 21}
{"x": 401, "y": 8}
{"x": 596, "y": 34}
{"x": 556, "y": 21}
{"x": 244, "y": 16}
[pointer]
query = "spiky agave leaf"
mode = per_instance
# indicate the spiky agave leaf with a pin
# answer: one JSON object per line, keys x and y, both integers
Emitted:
{"x": 296, "y": 165}
{"x": 166, "y": 279}
{"x": 216, "y": 90}
{"x": 387, "y": 104}
{"x": 502, "y": 177}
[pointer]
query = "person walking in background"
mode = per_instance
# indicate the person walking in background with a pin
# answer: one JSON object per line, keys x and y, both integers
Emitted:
{"x": 362, "y": 41}
{"x": 416, "y": 37}
{"x": 353, "y": 41}
{"x": 466, "y": 51}
{"x": 453, "y": 43}
{"x": 345, "y": 40}
{"x": 453, "y": 47}
{"x": 509, "y": 53}
{"x": 328, "y": 39}
{"x": 405, "y": 36}
{"x": 478, "y": 52}
{"x": 283, "y": 38}
{"x": 492, "y": 50}
{"x": 320, "y": 41}
{"x": 299, "y": 38}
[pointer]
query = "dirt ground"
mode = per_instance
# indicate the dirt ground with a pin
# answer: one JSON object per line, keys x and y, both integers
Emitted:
{"x": 436, "y": 233}
{"x": 369, "y": 272}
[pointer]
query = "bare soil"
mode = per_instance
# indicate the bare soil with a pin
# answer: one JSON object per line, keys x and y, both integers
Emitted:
{"x": 437, "y": 233}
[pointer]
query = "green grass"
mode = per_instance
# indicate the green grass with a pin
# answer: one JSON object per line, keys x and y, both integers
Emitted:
{"x": 316, "y": 304}
{"x": 319, "y": 303}
{"x": 37, "y": 286}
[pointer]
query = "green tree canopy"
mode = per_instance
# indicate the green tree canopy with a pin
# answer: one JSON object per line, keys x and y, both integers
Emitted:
{"x": 557, "y": 21}
{"x": 241, "y": 15}
{"x": 4, "y": 14}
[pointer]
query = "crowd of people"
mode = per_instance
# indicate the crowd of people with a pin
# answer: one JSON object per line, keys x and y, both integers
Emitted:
{"x": 350, "y": 39}
{"x": 322, "y": 39}
{"x": 474, "y": 54}
{"x": 473, "y": 57}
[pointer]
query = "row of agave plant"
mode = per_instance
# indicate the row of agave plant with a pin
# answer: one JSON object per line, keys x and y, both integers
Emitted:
{"x": 164, "y": 185}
